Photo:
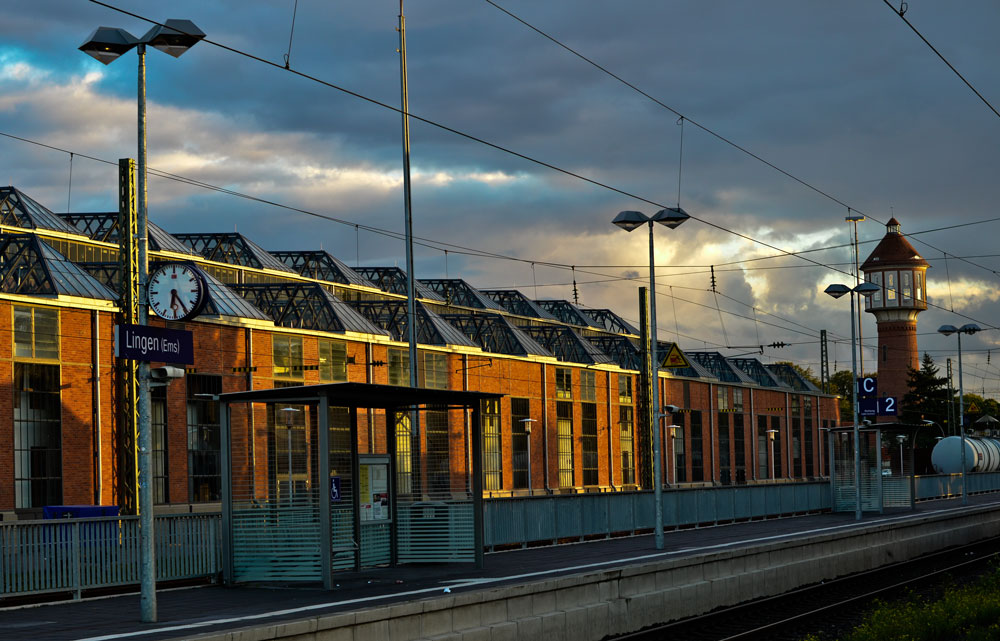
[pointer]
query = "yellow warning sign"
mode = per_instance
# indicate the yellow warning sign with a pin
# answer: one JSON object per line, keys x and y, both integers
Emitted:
{"x": 675, "y": 359}
{"x": 972, "y": 409}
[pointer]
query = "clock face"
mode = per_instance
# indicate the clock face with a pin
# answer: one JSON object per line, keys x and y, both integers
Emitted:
{"x": 177, "y": 292}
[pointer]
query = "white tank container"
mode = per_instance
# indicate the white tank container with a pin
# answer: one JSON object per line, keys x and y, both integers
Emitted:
{"x": 981, "y": 455}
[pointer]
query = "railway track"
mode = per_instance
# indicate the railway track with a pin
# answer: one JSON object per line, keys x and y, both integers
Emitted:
{"x": 831, "y": 608}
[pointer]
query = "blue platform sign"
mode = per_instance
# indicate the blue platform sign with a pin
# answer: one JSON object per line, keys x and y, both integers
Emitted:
{"x": 878, "y": 406}
{"x": 867, "y": 387}
{"x": 154, "y": 344}
{"x": 867, "y": 406}
{"x": 887, "y": 406}
{"x": 335, "y": 489}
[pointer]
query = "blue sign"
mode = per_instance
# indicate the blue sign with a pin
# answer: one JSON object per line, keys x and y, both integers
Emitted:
{"x": 145, "y": 343}
{"x": 867, "y": 387}
{"x": 335, "y": 489}
{"x": 887, "y": 406}
{"x": 867, "y": 406}
{"x": 878, "y": 406}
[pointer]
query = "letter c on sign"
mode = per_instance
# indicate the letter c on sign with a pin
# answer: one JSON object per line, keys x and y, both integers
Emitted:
{"x": 868, "y": 385}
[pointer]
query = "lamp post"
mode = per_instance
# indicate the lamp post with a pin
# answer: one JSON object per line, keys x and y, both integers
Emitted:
{"x": 770, "y": 437}
{"x": 673, "y": 448}
{"x": 107, "y": 44}
{"x": 902, "y": 439}
{"x": 948, "y": 330}
{"x": 857, "y": 218}
{"x": 866, "y": 290}
{"x": 526, "y": 423}
{"x": 672, "y": 217}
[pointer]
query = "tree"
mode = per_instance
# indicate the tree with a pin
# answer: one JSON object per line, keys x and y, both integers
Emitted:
{"x": 841, "y": 383}
{"x": 928, "y": 395}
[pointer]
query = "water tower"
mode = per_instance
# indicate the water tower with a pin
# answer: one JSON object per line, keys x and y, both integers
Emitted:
{"x": 900, "y": 271}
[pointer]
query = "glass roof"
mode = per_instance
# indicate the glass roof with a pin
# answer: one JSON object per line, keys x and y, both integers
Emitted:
{"x": 103, "y": 226}
{"x": 393, "y": 280}
{"x": 29, "y": 266}
{"x": 320, "y": 265}
{"x": 306, "y": 306}
{"x": 567, "y": 345}
{"x": 787, "y": 374}
{"x": 756, "y": 370}
{"x": 456, "y": 291}
{"x": 620, "y": 348}
{"x": 611, "y": 321}
{"x": 495, "y": 334}
{"x": 223, "y": 301}
{"x": 431, "y": 328}
{"x": 18, "y": 210}
{"x": 720, "y": 366}
{"x": 568, "y": 313}
{"x": 517, "y": 303}
{"x": 234, "y": 249}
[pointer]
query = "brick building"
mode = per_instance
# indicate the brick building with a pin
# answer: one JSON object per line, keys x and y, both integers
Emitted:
{"x": 569, "y": 421}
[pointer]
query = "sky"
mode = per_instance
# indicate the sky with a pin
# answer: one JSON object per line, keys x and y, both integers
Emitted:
{"x": 851, "y": 111}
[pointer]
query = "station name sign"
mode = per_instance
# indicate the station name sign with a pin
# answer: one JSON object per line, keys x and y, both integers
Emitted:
{"x": 154, "y": 344}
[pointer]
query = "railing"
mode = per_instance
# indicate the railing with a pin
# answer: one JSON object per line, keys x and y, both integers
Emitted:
{"x": 945, "y": 485}
{"x": 73, "y": 555}
{"x": 552, "y": 519}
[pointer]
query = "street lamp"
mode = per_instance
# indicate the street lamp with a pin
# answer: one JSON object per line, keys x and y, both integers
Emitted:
{"x": 902, "y": 439}
{"x": 770, "y": 437}
{"x": 107, "y": 44}
{"x": 864, "y": 289}
{"x": 673, "y": 441}
{"x": 672, "y": 217}
{"x": 948, "y": 330}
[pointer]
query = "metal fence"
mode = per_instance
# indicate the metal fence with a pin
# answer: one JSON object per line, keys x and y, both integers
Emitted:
{"x": 73, "y": 555}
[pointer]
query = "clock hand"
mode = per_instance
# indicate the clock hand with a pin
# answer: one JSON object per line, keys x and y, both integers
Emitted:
{"x": 175, "y": 301}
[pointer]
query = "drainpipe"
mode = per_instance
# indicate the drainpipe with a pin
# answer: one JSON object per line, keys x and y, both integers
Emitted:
{"x": 370, "y": 378}
{"x": 465, "y": 414}
{"x": 545, "y": 426}
{"x": 250, "y": 419}
{"x": 95, "y": 360}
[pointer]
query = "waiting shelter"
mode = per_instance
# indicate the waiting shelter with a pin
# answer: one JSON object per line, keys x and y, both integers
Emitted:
{"x": 337, "y": 477}
{"x": 887, "y": 479}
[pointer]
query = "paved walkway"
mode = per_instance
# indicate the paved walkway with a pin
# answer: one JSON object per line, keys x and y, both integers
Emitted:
{"x": 187, "y": 612}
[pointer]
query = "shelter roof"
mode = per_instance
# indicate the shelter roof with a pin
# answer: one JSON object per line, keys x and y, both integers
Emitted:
{"x": 321, "y": 265}
{"x": 233, "y": 248}
{"x": 393, "y": 280}
{"x": 456, "y": 291}
{"x": 362, "y": 395}
{"x": 30, "y": 266}
{"x": 20, "y": 210}
{"x": 517, "y": 303}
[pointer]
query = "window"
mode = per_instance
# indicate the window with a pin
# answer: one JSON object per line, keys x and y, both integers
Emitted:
{"x": 738, "y": 399}
{"x": 36, "y": 332}
{"x": 438, "y": 450}
{"x": 918, "y": 285}
{"x": 680, "y": 465}
{"x": 399, "y": 366}
{"x": 288, "y": 454}
{"x": 158, "y": 421}
{"x": 624, "y": 388}
{"x": 725, "y": 466}
{"x": 564, "y": 383}
{"x": 904, "y": 283}
{"x": 287, "y": 354}
{"x": 776, "y": 445}
{"x": 434, "y": 370}
{"x": 890, "y": 287}
{"x": 763, "y": 451}
{"x": 37, "y": 435}
{"x": 876, "y": 298}
{"x": 807, "y": 437}
{"x": 588, "y": 385}
{"x": 885, "y": 352}
{"x": 739, "y": 449}
{"x": 722, "y": 398}
{"x": 520, "y": 412}
{"x": 332, "y": 361}
{"x": 588, "y": 442}
{"x": 697, "y": 465}
{"x": 492, "y": 445}
{"x": 204, "y": 464}
{"x": 626, "y": 439}
{"x": 796, "y": 446}
{"x": 564, "y": 434}
{"x": 404, "y": 454}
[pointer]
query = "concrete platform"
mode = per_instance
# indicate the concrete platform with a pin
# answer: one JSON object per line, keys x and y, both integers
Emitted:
{"x": 579, "y": 591}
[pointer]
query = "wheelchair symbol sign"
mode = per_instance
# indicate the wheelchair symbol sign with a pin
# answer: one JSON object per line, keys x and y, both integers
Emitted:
{"x": 335, "y": 489}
